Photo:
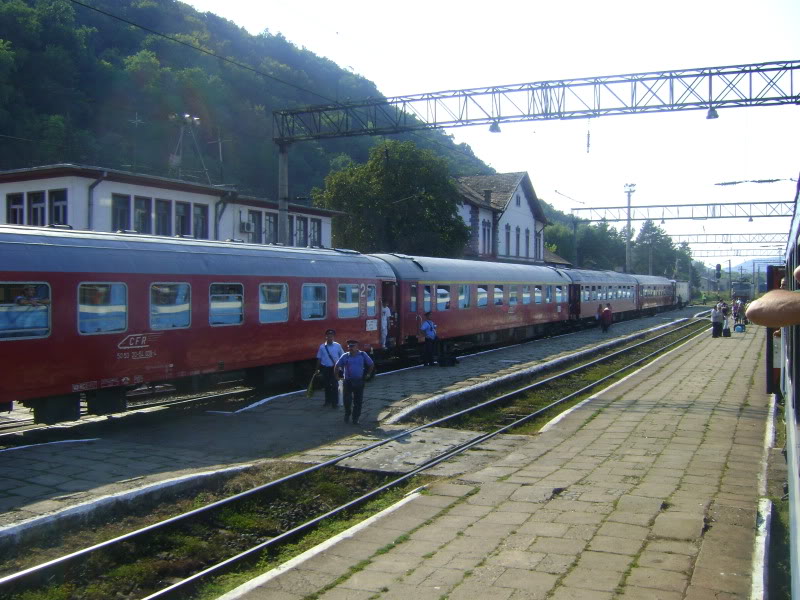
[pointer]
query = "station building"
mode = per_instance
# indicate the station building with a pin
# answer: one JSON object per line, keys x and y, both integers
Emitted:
{"x": 100, "y": 199}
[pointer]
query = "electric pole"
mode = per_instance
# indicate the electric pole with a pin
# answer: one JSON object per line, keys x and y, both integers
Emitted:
{"x": 630, "y": 188}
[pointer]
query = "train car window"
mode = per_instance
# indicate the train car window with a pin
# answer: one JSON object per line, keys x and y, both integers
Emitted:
{"x": 442, "y": 297}
{"x": 24, "y": 310}
{"x": 559, "y": 294}
{"x": 526, "y": 294}
{"x": 548, "y": 290}
{"x": 594, "y": 294}
{"x": 463, "y": 296}
{"x": 273, "y": 305}
{"x": 426, "y": 298}
{"x": 102, "y": 307}
{"x": 348, "y": 301}
{"x": 498, "y": 295}
{"x": 315, "y": 301}
{"x": 372, "y": 304}
{"x": 170, "y": 305}
{"x": 226, "y": 304}
{"x": 412, "y": 300}
{"x": 483, "y": 296}
{"x": 513, "y": 295}
{"x": 537, "y": 294}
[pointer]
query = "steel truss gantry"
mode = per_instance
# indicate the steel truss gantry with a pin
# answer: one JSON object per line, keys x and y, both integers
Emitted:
{"x": 666, "y": 212}
{"x": 742, "y": 252}
{"x": 760, "y": 84}
{"x": 732, "y": 238}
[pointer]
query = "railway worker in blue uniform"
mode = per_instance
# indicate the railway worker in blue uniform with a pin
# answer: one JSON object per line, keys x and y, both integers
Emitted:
{"x": 328, "y": 353}
{"x": 354, "y": 367}
{"x": 428, "y": 328}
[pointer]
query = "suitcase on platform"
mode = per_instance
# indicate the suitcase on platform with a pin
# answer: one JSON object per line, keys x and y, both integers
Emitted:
{"x": 726, "y": 332}
{"x": 739, "y": 328}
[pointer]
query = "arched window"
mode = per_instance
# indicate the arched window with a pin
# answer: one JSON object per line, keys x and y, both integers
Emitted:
{"x": 527, "y": 243}
{"x": 508, "y": 239}
{"x": 517, "y": 241}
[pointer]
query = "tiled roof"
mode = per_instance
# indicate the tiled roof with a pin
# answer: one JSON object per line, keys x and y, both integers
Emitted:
{"x": 553, "y": 258}
{"x": 503, "y": 186}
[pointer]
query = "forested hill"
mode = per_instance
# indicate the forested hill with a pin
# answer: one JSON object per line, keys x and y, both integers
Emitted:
{"x": 80, "y": 86}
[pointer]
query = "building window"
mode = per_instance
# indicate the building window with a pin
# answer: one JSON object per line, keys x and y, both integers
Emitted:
{"x": 183, "y": 221}
{"x": 315, "y": 233}
{"x": 200, "y": 213}
{"x": 226, "y": 302}
{"x": 102, "y": 307}
{"x": 37, "y": 209}
{"x": 163, "y": 217}
{"x": 301, "y": 231}
{"x": 254, "y": 218}
{"x": 120, "y": 212}
{"x": 519, "y": 203}
{"x": 15, "y": 209}
{"x": 486, "y": 237}
{"x": 537, "y": 250}
{"x": 517, "y": 240}
{"x": 142, "y": 214}
{"x": 270, "y": 228}
{"x": 508, "y": 240}
{"x": 274, "y": 305}
{"x": 58, "y": 207}
{"x": 527, "y": 243}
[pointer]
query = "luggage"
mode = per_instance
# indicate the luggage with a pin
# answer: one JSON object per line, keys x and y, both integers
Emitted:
{"x": 739, "y": 328}
{"x": 726, "y": 332}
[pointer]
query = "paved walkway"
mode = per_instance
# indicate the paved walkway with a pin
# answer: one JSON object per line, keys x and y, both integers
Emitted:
{"x": 649, "y": 491}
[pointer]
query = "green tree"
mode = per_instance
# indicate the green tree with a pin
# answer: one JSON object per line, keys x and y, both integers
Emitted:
{"x": 654, "y": 253}
{"x": 401, "y": 200}
{"x": 561, "y": 240}
{"x": 600, "y": 246}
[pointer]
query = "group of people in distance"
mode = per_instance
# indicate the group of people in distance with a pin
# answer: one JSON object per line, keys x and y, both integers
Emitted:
{"x": 722, "y": 315}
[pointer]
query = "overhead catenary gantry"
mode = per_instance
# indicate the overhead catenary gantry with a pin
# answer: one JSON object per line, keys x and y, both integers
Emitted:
{"x": 667, "y": 212}
{"x": 732, "y": 238}
{"x": 740, "y": 252}
{"x": 708, "y": 88}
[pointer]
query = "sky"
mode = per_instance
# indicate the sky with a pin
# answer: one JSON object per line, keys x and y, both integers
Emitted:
{"x": 673, "y": 158}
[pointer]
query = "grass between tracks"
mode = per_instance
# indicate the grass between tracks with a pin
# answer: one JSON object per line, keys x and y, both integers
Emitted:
{"x": 488, "y": 418}
{"x": 140, "y": 567}
{"x": 779, "y": 580}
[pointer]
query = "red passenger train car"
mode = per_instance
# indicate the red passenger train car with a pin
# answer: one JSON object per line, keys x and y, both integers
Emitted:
{"x": 98, "y": 314}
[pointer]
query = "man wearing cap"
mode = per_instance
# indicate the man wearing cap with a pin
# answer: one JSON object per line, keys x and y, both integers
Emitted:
{"x": 428, "y": 328}
{"x": 354, "y": 367}
{"x": 327, "y": 355}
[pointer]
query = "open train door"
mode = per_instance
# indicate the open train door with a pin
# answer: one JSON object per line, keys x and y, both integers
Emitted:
{"x": 574, "y": 299}
{"x": 390, "y": 298}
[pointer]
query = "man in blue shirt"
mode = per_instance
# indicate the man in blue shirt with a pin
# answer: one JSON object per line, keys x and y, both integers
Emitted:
{"x": 354, "y": 367}
{"x": 327, "y": 355}
{"x": 428, "y": 328}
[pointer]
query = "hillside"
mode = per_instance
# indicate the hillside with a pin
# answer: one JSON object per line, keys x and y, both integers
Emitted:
{"x": 77, "y": 85}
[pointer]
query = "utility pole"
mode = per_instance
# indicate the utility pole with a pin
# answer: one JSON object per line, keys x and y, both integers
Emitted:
{"x": 219, "y": 141}
{"x": 630, "y": 188}
{"x": 136, "y": 121}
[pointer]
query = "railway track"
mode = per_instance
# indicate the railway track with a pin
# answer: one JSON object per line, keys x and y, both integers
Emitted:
{"x": 78, "y": 566}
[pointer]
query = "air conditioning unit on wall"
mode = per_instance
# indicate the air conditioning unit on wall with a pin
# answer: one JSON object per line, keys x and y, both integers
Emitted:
{"x": 247, "y": 227}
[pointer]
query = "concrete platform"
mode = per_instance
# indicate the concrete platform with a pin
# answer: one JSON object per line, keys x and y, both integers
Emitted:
{"x": 648, "y": 491}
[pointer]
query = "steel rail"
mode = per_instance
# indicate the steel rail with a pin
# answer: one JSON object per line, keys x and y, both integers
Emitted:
{"x": 181, "y": 587}
{"x": 38, "y": 571}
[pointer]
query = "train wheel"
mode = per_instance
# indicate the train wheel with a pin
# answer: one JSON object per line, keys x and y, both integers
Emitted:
{"x": 107, "y": 401}
{"x": 56, "y": 409}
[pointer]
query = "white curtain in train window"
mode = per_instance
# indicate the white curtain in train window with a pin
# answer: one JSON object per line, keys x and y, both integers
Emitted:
{"x": 102, "y": 307}
{"x": 273, "y": 306}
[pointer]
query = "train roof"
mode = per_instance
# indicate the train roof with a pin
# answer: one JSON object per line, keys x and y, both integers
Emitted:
{"x": 35, "y": 249}
{"x": 585, "y": 276}
{"x": 652, "y": 280}
{"x": 425, "y": 268}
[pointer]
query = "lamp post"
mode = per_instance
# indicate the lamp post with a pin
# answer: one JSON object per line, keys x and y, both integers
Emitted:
{"x": 730, "y": 280}
{"x": 630, "y": 188}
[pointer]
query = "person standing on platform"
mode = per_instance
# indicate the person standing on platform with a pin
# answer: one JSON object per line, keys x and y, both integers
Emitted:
{"x": 428, "y": 328}
{"x": 599, "y": 314}
{"x": 606, "y": 317}
{"x": 386, "y": 316}
{"x": 355, "y": 367}
{"x": 328, "y": 353}
{"x": 716, "y": 321}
